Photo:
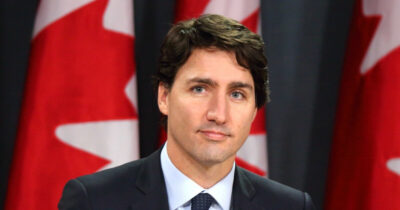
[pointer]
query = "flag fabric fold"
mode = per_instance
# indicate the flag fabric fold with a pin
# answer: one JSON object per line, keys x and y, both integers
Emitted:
{"x": 79, "y": 112}
{"x": 364, "y": 170}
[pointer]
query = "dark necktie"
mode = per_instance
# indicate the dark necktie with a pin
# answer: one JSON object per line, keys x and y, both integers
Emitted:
{"x": 202, "y": 201}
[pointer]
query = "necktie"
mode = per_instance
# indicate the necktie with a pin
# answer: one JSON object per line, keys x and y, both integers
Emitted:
{"x": 202, "y": 201}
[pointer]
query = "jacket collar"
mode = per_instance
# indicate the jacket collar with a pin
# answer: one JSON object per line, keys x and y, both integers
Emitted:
{"x": 150, "y": 181}
{"x": 243, "y": 191}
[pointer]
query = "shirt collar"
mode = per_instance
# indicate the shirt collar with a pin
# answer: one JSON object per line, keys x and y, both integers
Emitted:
{"x": 181, "y": 189}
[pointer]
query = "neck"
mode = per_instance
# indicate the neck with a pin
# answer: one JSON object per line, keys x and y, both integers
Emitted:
{"x": 205, "y": 174}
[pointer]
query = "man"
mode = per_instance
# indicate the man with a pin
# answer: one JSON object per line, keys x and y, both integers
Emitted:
{"x": 211, "y": 81}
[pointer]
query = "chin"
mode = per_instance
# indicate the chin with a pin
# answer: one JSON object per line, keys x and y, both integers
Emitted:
{"x": 212, "y": 158}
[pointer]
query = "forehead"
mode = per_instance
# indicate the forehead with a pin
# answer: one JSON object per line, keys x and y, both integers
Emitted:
{"x": 217, "y": 65}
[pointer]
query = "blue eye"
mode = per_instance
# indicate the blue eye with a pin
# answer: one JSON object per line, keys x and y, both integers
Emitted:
{"x": 237, "y": 95}
{"x": 198, "y": 89}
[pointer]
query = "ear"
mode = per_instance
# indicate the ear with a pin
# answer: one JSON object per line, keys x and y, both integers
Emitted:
{"x": 162, "y": 98}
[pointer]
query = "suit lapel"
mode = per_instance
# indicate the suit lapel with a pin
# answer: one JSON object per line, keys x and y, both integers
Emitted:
{"x": 243, "y": 192}
{"x": 150, "y": 182}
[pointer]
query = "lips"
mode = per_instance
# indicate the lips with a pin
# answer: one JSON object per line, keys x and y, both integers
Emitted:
{"x": 214, "y": 135}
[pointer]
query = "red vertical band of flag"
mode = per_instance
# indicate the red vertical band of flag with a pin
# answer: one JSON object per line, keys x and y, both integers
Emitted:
{"x": 79, "y": 102}
{"x": 364, "y": 171}
{"x": 253, "y": 154}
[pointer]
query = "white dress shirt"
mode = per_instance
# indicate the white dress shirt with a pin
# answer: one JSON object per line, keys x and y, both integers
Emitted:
{"x": 181, "y": 189}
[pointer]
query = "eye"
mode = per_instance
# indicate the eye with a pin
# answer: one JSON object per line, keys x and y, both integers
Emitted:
{"x": 198, "y": 89}
{"x": 237, "y": 95}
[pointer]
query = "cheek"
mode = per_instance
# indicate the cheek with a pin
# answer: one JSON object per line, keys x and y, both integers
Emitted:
{"x": 187, "y": 113}
{"x": 243, "y": 118}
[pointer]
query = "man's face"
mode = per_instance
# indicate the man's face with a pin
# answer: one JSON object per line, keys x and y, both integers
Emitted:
{"x": 210, "y": 107}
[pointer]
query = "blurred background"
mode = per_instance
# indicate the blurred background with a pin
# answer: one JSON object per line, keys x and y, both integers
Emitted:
{"x": 305, "y": 43}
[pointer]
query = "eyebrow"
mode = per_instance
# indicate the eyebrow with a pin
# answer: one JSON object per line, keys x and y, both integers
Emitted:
{"x": 203, "y": 81}
{"x": 212, "y": 83}
{"x": 234, "y": 85}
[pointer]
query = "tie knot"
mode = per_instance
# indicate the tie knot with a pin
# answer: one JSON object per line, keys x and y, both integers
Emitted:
{"x": 202, "y": 201}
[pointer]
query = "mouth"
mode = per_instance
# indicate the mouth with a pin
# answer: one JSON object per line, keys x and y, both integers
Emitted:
{"x": 214, "y": 135}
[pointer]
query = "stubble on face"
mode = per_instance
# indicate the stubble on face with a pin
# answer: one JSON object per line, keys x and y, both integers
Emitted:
{"x": 209, "y": 115}
{"x": 205, "y": 149}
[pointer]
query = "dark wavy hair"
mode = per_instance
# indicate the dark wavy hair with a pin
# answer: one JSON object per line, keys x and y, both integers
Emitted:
{"x": 208, "y": 32}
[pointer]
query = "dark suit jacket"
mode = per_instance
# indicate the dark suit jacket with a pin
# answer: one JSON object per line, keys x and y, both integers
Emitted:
{"x": 140, "y": 185}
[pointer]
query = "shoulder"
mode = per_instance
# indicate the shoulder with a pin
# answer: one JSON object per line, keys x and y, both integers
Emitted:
{"x": 110, "y": 187}
{"x": 267, "y": 186}
{"x": 125, "y": 173}
{"x": 267, "y": 192}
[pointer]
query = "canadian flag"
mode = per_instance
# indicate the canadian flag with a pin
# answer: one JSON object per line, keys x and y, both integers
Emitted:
{"x": 253, "y": 154}
{"x": 364, "y": 171}
{"x": 79, "y": 111}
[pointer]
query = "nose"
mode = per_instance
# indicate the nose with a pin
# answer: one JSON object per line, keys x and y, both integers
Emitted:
{"x": 218, "y": 109}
